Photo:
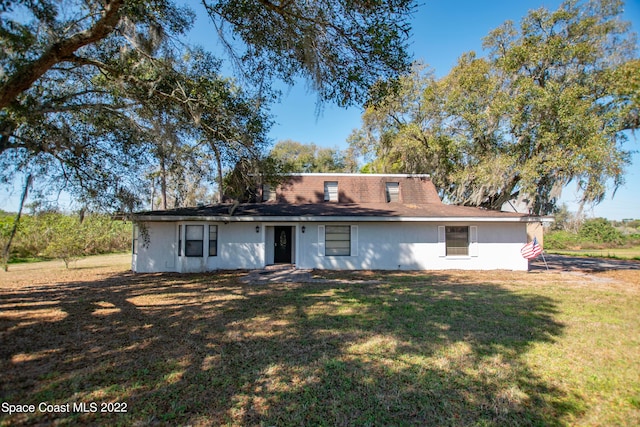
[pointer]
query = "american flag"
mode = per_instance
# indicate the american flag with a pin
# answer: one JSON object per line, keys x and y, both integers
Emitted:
{"x": 531, "y": 250}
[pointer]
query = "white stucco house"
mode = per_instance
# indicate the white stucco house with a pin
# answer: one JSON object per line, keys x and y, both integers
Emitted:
{"x": 333, "y": 221}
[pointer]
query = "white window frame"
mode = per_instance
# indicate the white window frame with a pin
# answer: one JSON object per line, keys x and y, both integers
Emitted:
{"x": 472, "y": 242}
{"x": 187, "y": 240}
{"x": 392, "y": 190}
{"x": 135, "y": 238}
{"x": 331, "y": 191}
{"x": 455, "y": 246}
{"x": 268, "y": 194}
{"x": 215, "y": 246}
{"x": 324, "y": 230}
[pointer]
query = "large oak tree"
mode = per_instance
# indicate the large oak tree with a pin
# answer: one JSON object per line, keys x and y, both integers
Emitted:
{"x": 550, "y": 104}
{"x": 79, "y": 79}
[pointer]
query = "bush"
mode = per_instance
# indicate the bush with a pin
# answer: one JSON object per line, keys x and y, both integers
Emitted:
{"x": 561, "y": 240}
{"x": 63, "y": 236}
{"x": 599, "y": 231}
{"x": 67, "y": 241}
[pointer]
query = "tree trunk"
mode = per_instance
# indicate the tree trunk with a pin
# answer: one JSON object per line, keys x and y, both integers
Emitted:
{"x": 163, "y": 183}
{"x": 220, "y": 180}
{"x": 7, "y": 248}
{"x": 153, "y": 192}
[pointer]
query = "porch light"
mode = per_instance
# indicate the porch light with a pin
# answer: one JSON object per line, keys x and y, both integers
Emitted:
{"x": 257, "y": 228}
{"x": 303, "y": 228}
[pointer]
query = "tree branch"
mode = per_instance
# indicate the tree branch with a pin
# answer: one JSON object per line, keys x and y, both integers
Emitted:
{"x": 26, "y": 75}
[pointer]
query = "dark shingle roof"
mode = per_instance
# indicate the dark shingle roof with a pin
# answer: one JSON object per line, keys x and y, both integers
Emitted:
{"x": 329, "y": 209}
{"x": 361, "y": 197}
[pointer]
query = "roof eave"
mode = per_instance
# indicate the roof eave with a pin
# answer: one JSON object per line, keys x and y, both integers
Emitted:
{"x": 342, "y": 218}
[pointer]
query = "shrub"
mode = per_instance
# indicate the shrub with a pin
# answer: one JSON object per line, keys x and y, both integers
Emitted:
{"x": 561, "y": 240}
{"x": 67, "y": 241}
{"x": 600, "y": 230}
{"x": 594, "y": 233}
{"x": 58, "y": 235}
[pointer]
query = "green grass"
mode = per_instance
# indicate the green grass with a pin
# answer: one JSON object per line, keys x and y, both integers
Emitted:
{"x": 371, "y": 348}
{"x": 616, "y": 253}
{"x": 38, "y": 259}
{"x": 19, "y": 260}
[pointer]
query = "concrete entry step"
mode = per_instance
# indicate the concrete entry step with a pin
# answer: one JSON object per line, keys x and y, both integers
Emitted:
{"x": 277, "y": 273}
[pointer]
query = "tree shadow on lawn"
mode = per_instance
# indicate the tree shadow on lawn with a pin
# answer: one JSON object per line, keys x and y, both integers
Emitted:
{"x": 207, "y": 350}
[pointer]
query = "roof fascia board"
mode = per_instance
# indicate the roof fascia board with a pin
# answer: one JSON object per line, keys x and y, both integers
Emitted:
{"x": 170, "y": 218}
{"x": 398, "y": 175}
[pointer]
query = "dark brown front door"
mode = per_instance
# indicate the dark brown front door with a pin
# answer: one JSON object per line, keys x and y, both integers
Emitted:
{"x": 282, "y": 253}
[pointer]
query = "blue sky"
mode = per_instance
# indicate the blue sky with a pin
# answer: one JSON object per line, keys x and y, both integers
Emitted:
{"x": 442, "y": 31}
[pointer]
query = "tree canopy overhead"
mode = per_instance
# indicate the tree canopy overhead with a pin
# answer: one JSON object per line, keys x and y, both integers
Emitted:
{"x": 53, "y": 35}
{"x": 344, "y": 48}
{"x": 83, "y": 83}
{"x": 550, "y": 104}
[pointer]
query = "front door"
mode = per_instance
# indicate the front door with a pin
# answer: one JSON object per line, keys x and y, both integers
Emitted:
{"x": 282, "y": 253}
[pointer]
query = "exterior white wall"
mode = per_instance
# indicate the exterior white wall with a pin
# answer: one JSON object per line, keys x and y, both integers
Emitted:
{"x": 375, "y": 245}
{"x": 158, "y": 252}
{"x": 414, "y": 246}
{"x": 239, "y": 247}
{"x": 269, "y": 247}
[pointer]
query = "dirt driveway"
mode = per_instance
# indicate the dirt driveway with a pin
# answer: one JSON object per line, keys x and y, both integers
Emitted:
{"x": 573, "y": 263}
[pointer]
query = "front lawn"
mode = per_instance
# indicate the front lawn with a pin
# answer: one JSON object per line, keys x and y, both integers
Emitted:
{"x": 618, "y": 253}
{"x": 372, "y": 348}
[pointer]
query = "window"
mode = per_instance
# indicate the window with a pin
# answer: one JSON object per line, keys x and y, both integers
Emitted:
{"x": 393, "y": 191}
{"x": 194, "y": 237}
{"x": 331, "y": 191}
{"x": 337, "y": 240}
{"x": 457, "y": 239}
{"x": 213, "y": 240}
{"x": 136, "y": 232}
{"x": 179, "y": 240}
{"x": 267, "y": 193}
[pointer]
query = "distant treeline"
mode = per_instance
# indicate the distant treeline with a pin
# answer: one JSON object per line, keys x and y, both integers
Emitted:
{"x": 51, "y": 235}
